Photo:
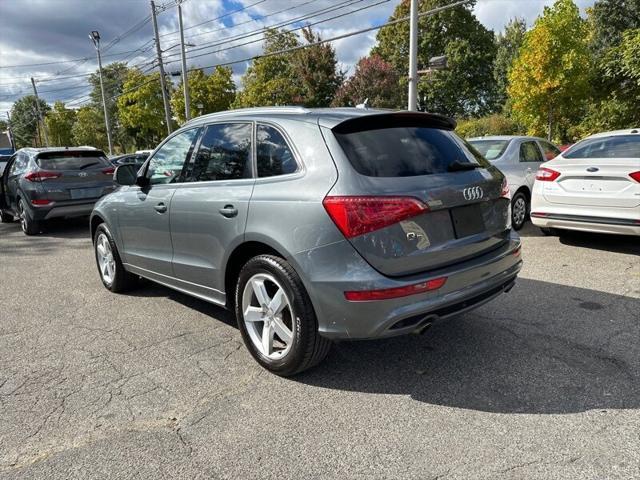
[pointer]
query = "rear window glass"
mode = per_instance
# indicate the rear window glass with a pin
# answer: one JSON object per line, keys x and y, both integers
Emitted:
{"x": 72, "y": 160}
{"x": 621, "y": 146}
{"x": 490, "y": 149}
{"x": 404, "y": 151}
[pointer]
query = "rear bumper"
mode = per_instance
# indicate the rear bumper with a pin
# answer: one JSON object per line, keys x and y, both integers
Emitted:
{"x": 620, "y": 226}
{"x": 63, "y": 209}
{"x": 333, "y": 270}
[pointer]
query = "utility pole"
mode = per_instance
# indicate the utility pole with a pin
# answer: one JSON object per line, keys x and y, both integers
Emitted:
{"x": 413, "y": 57}
{"x": 185, "y": 81}
{"x": 95, "y": 38}
{"x": 165, "y": 97}
{"x": 44, "y": 127}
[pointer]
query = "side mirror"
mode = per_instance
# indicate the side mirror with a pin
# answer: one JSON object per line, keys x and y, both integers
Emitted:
{"x": 125, "y": 175}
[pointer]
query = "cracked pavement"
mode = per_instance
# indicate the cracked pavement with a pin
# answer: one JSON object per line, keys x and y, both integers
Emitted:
{"x": 543, "y": 382}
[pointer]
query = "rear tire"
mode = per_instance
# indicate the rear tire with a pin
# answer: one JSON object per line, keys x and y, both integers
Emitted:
{"x": 28, "y": 224}
{"x": 519, "y": 210}
{"x": 112, "y": 273}
{"x": 5, "y": 217}
{"x": 262, "y": 280}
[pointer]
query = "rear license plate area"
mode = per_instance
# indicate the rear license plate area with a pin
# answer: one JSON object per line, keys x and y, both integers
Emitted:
{"x": 467, "y": 220}
{"x": 79, "y": 193}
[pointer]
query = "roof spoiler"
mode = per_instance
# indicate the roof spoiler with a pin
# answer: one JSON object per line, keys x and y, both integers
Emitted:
{"x": 394, "y": 120}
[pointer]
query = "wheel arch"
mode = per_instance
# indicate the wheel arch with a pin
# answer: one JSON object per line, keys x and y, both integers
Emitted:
{"x": 525, "y": 190}
{"x": 95, "y": 221}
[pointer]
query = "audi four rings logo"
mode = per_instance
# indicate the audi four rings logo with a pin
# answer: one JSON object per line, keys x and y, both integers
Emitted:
{"x": 472, "y": 193}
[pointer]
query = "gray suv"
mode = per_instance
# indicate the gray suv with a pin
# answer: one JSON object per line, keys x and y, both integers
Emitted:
{"x": 313, "y": 225}
{"x": 39, "y": 184}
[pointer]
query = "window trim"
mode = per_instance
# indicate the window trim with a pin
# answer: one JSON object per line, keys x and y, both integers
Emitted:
{"x": 538, "y": 149}
{"x": 288, "y": 142}
{"x": 145, "y": 167}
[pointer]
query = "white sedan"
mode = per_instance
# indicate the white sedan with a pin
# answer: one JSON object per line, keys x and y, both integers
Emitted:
{"x": 594, "y": 186}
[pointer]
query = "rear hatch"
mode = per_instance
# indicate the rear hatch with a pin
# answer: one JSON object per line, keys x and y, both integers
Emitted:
{"x": 411, "y": 195}
{"x": 73, "y": 175}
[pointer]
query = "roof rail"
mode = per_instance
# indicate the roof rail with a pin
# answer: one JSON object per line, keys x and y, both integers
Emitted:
{"x": 254, "y": 110}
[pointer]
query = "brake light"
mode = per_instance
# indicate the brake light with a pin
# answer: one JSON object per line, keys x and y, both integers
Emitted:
{"x": 635, "y": 176}
{"x": 546, "y": 174}
{"x": 40, "y": 201}
{"x": 41, "y": 176}
{"x": 109, "y": 170}
{"x": 356, "y": 215}
{"x": 387, "y": 293}
{"x": 504, "y": 191}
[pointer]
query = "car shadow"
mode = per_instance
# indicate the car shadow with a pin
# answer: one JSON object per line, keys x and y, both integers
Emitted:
{"x": 69, "y": 228}
{"x": 601, "y": 241}
{"x": 542, "y": 348}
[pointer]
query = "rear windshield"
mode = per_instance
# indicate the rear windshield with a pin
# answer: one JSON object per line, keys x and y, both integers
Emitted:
{"x": 404, "y": 151}
{"x": 619, "y": 146}
{"x": 79, "y": 160}
{"x": 490, "y": 149}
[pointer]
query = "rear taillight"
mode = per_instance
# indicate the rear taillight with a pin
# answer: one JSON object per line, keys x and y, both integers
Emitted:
{"x": 635, "y": 176}
{"x": 108, "y": 170}
{"x": 387, "y": 293}
{"x": 504, "y": 190}
{"x": 41, "y": 176}
{"x": 356, "y": 215}
{"x": 546, "y": 174}
{"x": 40, "y": 201}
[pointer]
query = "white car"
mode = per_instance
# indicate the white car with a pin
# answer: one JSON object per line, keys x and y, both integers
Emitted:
{"x": 519, "y": 158}
{"x": 594, "y": 186}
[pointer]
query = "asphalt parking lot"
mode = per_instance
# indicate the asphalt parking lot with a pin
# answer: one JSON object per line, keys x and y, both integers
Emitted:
{"x": 542, "y": 383}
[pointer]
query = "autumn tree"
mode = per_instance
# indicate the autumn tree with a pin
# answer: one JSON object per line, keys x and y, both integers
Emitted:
{"x": 466, "y": 87}
{"x": 373, "y": 79}
{"x": 508, "y": 46}
{"x": 60, "y": 122}
{"x": 25, "y": 125}
{"x": 140, "y": 108}
{"x": 207, "y": 93}
{"x": 495, "y": 124}
{"x": 549, "y": 80}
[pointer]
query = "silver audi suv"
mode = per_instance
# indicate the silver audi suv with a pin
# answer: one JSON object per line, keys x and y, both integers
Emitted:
{"x": 313, "y": 225}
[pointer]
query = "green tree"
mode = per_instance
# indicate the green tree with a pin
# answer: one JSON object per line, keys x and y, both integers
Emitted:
{"x": 508, "y": 45}
{"x": 27, "y": 130}
{"x": 113, "y": 77}
{"x": 495, "y": 124}
{"x": 609, "y": 20}
{"x": 214, "y": 92}
{"x": 549, "y": 80}
{"x": 140, "y": 108}
{"x": 466, "y": 87}
{"x": 89, "y": 128}
{"x": 373, "y": 79}
{"x": 60, "y": 122}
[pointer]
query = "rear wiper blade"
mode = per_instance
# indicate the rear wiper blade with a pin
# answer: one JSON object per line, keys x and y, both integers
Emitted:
{"x": 458, "y": 166}
{"x": 89, "y": 165}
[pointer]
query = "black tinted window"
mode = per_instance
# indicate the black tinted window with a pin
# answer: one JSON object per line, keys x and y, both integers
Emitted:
{"x": 274, "y": 155}
{"x": 72, "y": 160}
{"x": 621, "y": 146}
{"x": 529, "y": 152}
{"x": 403, "y": 152}
{"x": 224, "y": 153}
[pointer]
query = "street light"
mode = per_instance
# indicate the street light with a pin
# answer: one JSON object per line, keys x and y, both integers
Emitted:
{"x": 94, "y": 36}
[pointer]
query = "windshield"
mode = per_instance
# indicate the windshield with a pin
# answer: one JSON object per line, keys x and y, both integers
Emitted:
{"x": 78, "y": 160}
{"x": 619, "y": 146}
{"x": 490, "y": 149}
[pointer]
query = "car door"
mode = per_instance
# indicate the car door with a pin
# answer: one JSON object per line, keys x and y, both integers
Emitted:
{"x": 209, "y": 211}
{"x": 143, "y": 217}
{"x": 15, "y": 171}
{"x": 4, "y": 194}
{"x": 530, "y": 160}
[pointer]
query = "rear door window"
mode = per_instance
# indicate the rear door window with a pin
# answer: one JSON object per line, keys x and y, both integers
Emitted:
{"x": 403, "y": 151}
{"x": 550, "y": 150}
{"x": 224, "y": 153}
{"x": 274, "y": 157}
{"x": 529, "y": 152}
{"x": 80, "y": 160}
{"x": 620, "y": 146}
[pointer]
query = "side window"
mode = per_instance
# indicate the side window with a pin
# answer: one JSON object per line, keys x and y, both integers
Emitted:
{"x": 550, "y": 151}
{"x": 529, "y": 152}
{"x": 224, "y": 153}
{"x": 274, "y": 156}
{"x": 166, "y": 165}
{"x": 19, "y": 165}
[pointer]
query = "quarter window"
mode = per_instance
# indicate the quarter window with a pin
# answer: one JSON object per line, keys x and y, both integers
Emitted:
{"x": 529, "y": 152}
{"x": 224, "y": 153}
{"x": 274, "y": 155}
{"x": 167, "y": 163}
{"x": 550, "y": 150}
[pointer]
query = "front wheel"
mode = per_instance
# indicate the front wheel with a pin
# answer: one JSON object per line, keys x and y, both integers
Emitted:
{"x": 112, "y": 273}
{"x": 519, "y": 210}
{"x": 28, "y": 224}
{"x": 276, "y": 318}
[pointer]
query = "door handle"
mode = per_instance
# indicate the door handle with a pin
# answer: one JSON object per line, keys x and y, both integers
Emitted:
{"x": 160, "y": 208}
{"x": 228, "y": 211}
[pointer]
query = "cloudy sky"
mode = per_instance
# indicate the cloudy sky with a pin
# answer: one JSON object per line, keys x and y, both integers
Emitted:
{"x": 47, "y": 39}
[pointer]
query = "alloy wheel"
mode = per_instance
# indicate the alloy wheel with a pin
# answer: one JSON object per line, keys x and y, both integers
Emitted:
{"x": 106, "y": 262}
{"x": 268, "y": 316}
{"x": 23, "y": 216}
{"x": 519, "y": 211}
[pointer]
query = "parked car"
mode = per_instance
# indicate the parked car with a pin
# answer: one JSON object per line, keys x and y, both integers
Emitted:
{"x": 43, "y": 183}
{"x": 594, "y": 186}
{"x": 519, "y": 158}
{"x": 135, "y": 159}
{"x": 313, "y": 225}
